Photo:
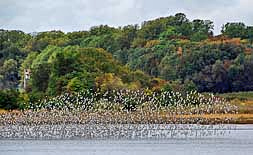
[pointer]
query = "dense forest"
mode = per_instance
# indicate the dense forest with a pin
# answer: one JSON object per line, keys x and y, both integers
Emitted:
{"x": 168, "y": 53}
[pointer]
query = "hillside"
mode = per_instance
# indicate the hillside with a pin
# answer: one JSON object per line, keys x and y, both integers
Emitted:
{"x": 168, "y": 53}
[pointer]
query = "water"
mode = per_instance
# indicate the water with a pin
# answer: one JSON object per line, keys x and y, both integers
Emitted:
{"x": 239, "y": 141}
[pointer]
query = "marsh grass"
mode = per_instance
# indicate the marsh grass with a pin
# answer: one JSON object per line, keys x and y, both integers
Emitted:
{"x": 242, "y": 96}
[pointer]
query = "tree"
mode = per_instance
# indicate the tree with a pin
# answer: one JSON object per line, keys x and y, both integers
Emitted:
{"x": 109, "y": 81}
{"x": 249, "y": 33}
{"x": 150, "y": 30}
{"x": 40, "y": 41}
{"x": 202, "y": 29}
{"x": 40, "y": 77}
{"x": 182, "y": 25}
{"x": 220, "y": 77}
{"x": 234, "y": 30}
{"x": 75, "y": 85}
{"x": 9, "y": 99}
{"x": 75, "y": 38}
{"x": 180, "y": 18}
{"x": 9, "y": 74}
{"x": 204, "y": 26}
{"x": 198, "y": 36}
{"x": 168, "y": 67}
{"x": 169, "y": 33}
{"x": 102, "y": 30}
{"x": 127, "y": 35}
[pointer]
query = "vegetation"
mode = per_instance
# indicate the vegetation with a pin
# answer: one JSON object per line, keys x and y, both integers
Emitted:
{"x": 238, "y": 95}
{"x": 9, "y": 99}
{"x": 166, "y": 54}
{"x": 243, "y": 100}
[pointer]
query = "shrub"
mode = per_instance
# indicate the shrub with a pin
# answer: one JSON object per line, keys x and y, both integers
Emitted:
{"x": 9, "y": 99}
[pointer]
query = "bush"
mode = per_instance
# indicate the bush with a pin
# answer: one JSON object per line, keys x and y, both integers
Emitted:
{"x": 9, "y": 99}
{"x": 177, "y": 86}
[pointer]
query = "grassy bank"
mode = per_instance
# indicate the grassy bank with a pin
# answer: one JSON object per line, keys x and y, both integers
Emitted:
{"x": 238, "y": 95}
{"x": 243, "y": 100}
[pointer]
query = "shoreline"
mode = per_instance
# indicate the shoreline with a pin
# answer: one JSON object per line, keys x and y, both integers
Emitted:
{"x": 116, "y": 125}
{"x": 57, "y": 118}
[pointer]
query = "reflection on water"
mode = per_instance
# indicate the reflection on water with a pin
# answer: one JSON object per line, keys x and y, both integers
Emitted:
{"x": 239, "y": 141}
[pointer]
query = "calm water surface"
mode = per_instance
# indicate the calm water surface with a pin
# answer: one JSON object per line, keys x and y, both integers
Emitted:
{"x": 239, "y": 141}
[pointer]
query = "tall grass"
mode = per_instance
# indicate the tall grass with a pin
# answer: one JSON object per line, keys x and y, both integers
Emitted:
{"x": 238, "y": 95}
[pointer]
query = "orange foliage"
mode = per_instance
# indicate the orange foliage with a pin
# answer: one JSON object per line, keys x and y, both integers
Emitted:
{"x": 222, "y": 40}
{"x": 180, "y": 51}
{"x": 152, "y": 43}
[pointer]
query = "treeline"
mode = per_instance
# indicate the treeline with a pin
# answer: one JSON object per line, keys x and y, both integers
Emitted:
{"x": 168, "y": 53}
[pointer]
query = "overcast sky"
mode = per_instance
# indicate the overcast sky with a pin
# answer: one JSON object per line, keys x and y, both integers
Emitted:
{"x": 73, "y": 15}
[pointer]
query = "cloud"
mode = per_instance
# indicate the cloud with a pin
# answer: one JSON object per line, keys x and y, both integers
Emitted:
{"x": 43, "y": 15}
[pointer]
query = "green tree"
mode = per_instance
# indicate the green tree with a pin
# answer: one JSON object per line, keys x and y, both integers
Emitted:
{"x": 249, "y": 33}
{"x": 234, "y": 30}
{"x": 9, "y": 75}
{"x": 127, "y": 35}
{"x": 9, "y": 99}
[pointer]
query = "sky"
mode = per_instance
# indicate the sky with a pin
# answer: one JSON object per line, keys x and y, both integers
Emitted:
{"x": 76, "y": 15}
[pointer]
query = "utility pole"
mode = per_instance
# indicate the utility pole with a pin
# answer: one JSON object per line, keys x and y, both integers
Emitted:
{"x": 27, "y": 73}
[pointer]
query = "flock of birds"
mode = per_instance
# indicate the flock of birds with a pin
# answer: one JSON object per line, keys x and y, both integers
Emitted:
{"x": 124, "y": 114}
